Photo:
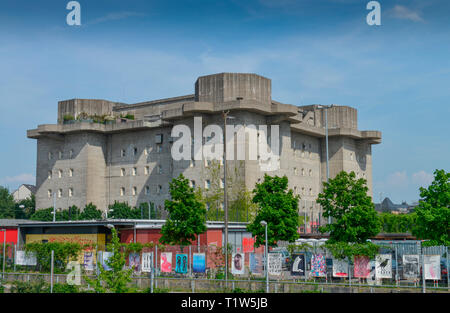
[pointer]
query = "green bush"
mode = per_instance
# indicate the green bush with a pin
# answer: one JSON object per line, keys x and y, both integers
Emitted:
{"x": 65, "y": 288}
{"x": 26, "y": 287}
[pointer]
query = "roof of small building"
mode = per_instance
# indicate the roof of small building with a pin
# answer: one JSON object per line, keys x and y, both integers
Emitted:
{"x": 15, "y": 222}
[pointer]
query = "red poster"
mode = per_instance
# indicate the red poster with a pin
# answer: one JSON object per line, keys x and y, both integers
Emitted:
{"x": 247, "y": 244}
{"x": 362, "y": 266}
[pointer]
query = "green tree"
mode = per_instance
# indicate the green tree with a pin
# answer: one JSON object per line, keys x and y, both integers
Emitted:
{"x": 116, "y": 279}
{"x": 7, "y": 204}
{"x": 186, "y": 217}
{"x": 29, "y": 205}
{"x": 278, "y": 207}
{"x": 90, "y": 212}
{"x": 45, "y": 215}
{"x": 433, "y": 211}
{"x": 122, "y": 210}
{"x": 397, "y": 223}
{"x": 354, "y": 219}
{"x": 345, "y": 200}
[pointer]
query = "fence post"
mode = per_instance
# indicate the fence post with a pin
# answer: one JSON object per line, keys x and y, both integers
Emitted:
{"x": 423, "y": 274}
{"x": 156, "y": 266}
{"x": 51, "y": 271}
{"x": 446, "y": 256}
{"x": 14, "y": 256}
{"x": 396, "y": 266}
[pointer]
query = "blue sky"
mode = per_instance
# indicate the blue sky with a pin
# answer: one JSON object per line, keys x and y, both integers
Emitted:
{"x": 397, "y": 75}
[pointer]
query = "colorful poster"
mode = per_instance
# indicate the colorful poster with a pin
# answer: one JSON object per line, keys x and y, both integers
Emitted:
{"x": 166, "y": 262}
{"x": 181, "y": 264}
{"x": 361, "y": 267}
{"x": 318, "y": 266}
{"x": 298, "y": 265}
{"x": 105, "y": 257}
{"x": 147, "y": 262}
{"x": 383, "y": 266}
{"x": 134, "y": 261}
{"x": 411, "y": 266}
{"x": 432, "y": 264}
{"x": 340, "y": 268}
{"x": 198, "y": 263}
{"x": 248, "y": 244}
{"x": 274, "y": 263}
{"x": 256, "y": 263}
{"x": 88, "y": 260}
{"x": 237, "y": 264}
{"x": 23, "y": 258}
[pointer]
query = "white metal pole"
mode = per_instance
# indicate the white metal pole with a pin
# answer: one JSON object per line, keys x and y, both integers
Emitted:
{"x": 4, "y": 252}
{"x": 423, "y": 274}
{"x": 267, "y": 263}
{"x": 54, "y": 206}
{"x": 225, "y": 114}
{"x": 326, "y": 143}
{"x": 51, "y": 271}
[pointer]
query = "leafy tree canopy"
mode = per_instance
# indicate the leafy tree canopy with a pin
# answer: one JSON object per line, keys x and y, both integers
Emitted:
{"x": 345, "y": 199}
{"x": 433, "y": 211}
{"x": 7, "y": 204}
{"x": 278, "y": 207}
{"x": 186, "y": 214}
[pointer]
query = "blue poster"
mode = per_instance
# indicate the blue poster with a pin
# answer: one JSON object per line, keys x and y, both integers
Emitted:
{"x": 198, "y": 263}
{"x": 256, "y": 263}
{"x": 181, "y": 263}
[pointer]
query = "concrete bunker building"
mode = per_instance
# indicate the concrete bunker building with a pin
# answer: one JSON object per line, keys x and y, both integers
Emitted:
{"x": 129, "y": 159}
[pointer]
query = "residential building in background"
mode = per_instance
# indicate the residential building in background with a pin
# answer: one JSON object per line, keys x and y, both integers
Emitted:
{"x": 23, "y": 192}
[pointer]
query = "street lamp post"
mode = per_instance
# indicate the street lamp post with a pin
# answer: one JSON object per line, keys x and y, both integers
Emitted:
{"x": 225, "y": 198}
{"x": 264, "y": 223}
{"x": 325, "y": 108}
{"x": 54, "y": 206}
{"x": 4, "y": 251}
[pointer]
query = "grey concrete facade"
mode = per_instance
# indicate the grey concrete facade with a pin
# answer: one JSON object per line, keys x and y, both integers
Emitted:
{"x": 130, "y": 160}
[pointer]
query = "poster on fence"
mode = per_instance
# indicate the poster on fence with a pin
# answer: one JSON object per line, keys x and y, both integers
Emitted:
{"x": 410, "y": 266}
{"x": 134, "y": 261}
{"x": 383, "y": 266}
{"x": 274, "y": 263}
{"x": 237, "y": 264}
{"x": 166, "y": 262}
{"x": 198, "y": 263}
{"x": 23, "y": 258}
{"x": 432, "y": 264}
{"x": 248, "y": 244}
{"x": 147, "y": 262}
{"x": 105, "y": 257}
{"x": 318, "y": 266}
{"x": 361, "y": 267}
{"x": 88, "y": 260}
{"x": 340, "y": 268}
{"x": 298, "y": 265}
{"x": 256, "y": 263}
{"x": 181, "y": 264}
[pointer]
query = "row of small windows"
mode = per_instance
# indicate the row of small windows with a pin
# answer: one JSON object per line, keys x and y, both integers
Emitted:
{"x": 303, "y": 191}
{"x": 60, "y": 173}
{"x": 122, "y": 191}
{"x": 60, "y": 154}
{"x": 60, "y": 193}
{"x": 303, "y": 172}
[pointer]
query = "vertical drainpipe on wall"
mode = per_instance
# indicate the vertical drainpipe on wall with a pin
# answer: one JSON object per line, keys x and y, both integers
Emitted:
{"x": 134, "y": 235}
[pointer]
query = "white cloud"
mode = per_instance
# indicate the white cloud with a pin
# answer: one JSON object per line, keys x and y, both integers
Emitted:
{"x": 400, "y": 186}
{"x": 24, "y": 178}
{"x": 402, "y": 12}
{"x": 422, "y": 178}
